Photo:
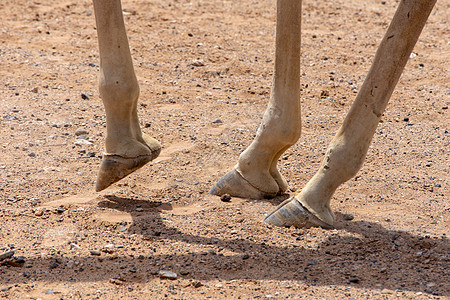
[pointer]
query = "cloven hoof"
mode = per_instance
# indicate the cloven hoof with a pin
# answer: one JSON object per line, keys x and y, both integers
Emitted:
{"x": 234, "y": 184}
{"x": 292, "y": 213}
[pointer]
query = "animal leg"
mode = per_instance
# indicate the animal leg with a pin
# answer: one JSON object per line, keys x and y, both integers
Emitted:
{"x": 127, "y": 149}
{"x": 255, "y": 175}
{"x": 347, "y": 150}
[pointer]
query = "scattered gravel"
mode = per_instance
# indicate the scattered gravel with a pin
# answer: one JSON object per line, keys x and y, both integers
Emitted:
{"x": 204, "y": 86}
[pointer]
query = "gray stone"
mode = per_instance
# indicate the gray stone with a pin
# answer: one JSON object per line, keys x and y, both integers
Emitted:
{"x": 165, "y": 274}
{"x": 348, "y": 217}
{"x": 81, "y": 131}
{"x": 354, "y": 280}
{"x": 7, "y": 255}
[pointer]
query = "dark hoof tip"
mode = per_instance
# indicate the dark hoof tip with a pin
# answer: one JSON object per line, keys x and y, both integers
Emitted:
{"x": 115, "y": 168}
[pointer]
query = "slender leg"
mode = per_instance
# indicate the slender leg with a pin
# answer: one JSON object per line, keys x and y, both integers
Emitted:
{"x": 127, "y": 149}
{"x": 346, "y": 152}
{"x": 255, "y": 175}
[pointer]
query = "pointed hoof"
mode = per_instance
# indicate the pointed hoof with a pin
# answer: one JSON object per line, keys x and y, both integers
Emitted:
{"x": 291, "y": 213}
{"x": 235, "y": 185}
{"x": 115, "y": 167}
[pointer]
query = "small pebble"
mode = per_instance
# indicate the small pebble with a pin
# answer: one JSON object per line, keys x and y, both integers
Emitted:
{"x": 15, "y": 261}
{"x": 81, "y": 131}
{"x": 311, "y": 262}
{"x": 164, "y": 274}
{"x": 116, "y": 281}
{"x": 110, "y": 248}
{"x": 348, "y": 217}
{"x": 55, "y": 264}
{"x": 198, "y": 63}
{"x": 82, "y": 137}
{"x": 354, "y": 280}
{"x": 7, "y": 255}
{"x": 225, "y": 198}
{"x": 38, "y": 212}
{"x": 82, "y": 143}
{"x": 84, "y": 96}
{"x": 70, "y": 264}
{"x": 95, "y": 252}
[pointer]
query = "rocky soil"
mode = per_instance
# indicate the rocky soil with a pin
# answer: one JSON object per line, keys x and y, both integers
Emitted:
{"x": 205, "y": 70}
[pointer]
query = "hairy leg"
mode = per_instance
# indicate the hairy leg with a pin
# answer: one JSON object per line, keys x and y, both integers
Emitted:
{"x": 255, "y": 175}
{"x": 347, "y": 150}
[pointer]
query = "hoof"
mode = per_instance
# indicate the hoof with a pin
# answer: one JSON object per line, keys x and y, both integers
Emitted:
{"x": 291, "y": 213}
{"x": 115, "y": 167}
{"x": 152, "y": 144}
{"x": 235, "y": 185}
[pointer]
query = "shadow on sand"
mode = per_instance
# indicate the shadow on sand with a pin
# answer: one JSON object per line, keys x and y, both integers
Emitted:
{"x": 377, "y": 257}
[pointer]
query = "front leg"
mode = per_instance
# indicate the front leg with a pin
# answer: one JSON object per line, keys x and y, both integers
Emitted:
{"x": 256, "y": 175}
{"x": 127, "y": 148}
{"x": 346, "y": 152}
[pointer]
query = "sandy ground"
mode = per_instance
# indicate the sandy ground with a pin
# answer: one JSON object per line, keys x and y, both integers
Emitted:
{"x": 69, "y": 242}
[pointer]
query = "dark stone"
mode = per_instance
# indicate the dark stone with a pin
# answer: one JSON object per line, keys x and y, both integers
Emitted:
{"x": 225, "y": 198}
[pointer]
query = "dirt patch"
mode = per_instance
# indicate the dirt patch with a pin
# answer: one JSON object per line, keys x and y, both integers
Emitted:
{"x": 70, "y": 242}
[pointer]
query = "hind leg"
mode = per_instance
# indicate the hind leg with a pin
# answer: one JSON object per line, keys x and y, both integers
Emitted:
{"x": 255, "y": 175}
{"x": 127, "y": 149}
{"x": 346, "y": 152}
